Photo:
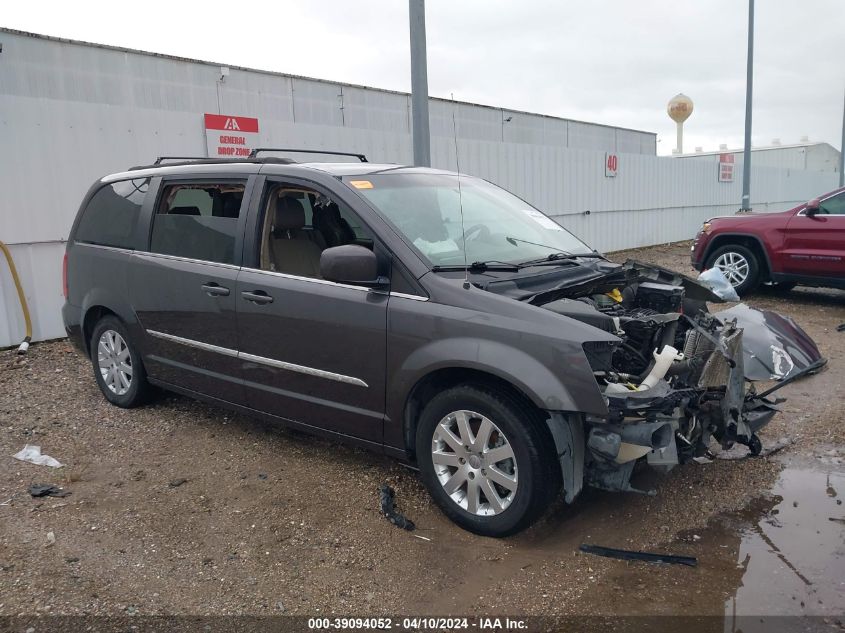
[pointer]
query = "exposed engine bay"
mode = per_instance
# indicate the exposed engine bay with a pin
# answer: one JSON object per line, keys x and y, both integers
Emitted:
{"x": 677, "y": 377}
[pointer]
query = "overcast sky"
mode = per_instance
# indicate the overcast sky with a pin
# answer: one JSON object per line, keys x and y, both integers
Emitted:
{"x": 614, "y": 61}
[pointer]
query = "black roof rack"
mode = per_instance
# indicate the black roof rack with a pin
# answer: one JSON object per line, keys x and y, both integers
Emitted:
{"x": 203, "y": 160}
{"x": 254, "y": 153}
{"x": 159, "y": 160}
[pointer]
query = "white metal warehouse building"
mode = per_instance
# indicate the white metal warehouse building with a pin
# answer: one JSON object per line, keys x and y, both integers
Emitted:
{"x": 71, "y": 112}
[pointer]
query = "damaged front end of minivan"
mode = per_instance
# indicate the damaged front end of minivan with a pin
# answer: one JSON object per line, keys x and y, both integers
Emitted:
{"x": 678, "y": 376}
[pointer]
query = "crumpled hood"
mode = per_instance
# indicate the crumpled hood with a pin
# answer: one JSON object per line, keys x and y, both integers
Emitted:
{"x": 774, "y": 346}
{"x": 582, "y": 276}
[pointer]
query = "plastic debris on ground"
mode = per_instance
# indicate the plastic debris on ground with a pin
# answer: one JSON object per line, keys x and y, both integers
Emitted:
{"x": 716, "y": 281}
{"x": 388, "y": 509}
{"x": 32, "y": 454}
{"x": 648, "y": 557}
{"x": 47, "y": 490}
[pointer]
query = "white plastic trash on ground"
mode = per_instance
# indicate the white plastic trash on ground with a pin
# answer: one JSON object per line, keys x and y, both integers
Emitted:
{"x": 32, "y": 454}
{"x": 715, "y": 279}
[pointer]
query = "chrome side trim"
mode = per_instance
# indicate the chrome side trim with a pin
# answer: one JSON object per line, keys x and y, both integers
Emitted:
{"x": 301, "y": 369}
{"x": 313, "y": 280}
{"x": 208, "y": 347}
{"x": 186, "y": 259}
{"x": 407, "y": 296}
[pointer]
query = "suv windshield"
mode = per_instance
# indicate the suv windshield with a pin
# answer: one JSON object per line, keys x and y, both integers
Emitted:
{"x": 426, "y": 209}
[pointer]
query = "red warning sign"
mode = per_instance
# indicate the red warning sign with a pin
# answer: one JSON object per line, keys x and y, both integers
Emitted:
{"x": 229, "y": 136}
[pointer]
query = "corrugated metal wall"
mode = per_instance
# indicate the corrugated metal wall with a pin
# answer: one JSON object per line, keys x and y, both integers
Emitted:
{"x": 810, "y": 157}
{"x": 70, "y": 113}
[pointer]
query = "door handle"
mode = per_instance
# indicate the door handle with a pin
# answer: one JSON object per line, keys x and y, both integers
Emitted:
{"x": 215, "y": 290}
{"x": 258, "y": 296}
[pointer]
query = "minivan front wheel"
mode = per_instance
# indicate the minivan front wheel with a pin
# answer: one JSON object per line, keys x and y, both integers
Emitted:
{"x": 117, "y": 367}
{"x": 485, "y": 460}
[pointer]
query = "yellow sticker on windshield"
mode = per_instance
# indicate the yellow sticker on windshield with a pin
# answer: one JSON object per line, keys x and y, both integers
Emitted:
{"x": 361, "y": 184}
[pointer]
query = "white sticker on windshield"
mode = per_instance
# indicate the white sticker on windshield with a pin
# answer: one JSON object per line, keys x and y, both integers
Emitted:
{"x": 542, "y": 220}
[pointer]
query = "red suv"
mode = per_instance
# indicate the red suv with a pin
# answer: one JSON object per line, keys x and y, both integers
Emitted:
{"x": 805, "y": 245}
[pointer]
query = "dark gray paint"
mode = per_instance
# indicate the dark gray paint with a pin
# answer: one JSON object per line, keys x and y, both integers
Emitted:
{"x": 390, "y": 343}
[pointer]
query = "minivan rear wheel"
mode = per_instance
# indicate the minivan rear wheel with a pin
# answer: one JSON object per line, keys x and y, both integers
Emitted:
{"x": 486, "y": 460}
{"x": 117, "y": 366}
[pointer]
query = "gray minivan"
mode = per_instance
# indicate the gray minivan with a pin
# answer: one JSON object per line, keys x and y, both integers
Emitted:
{"x": 425, "y": 314}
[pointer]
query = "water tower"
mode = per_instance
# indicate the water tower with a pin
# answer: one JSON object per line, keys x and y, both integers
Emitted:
{"x": 679, "y": 109}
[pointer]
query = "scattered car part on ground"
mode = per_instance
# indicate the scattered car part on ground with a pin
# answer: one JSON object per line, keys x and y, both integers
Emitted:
{"x": 649, "y": 557}
{"x": 388, "y": 508}
{"x": 47, "y": 490}
{"x": 426, "y": 314}
{"x": 774, "y": 346}
{"x": 804, "y": 245}
{"x": 32, "y": 454}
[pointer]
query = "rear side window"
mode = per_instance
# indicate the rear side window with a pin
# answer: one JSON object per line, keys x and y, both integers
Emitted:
{"x": 198, "y": 221}
{"x": 112, "y": 213}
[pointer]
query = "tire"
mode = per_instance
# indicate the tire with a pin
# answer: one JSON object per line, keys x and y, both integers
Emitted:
{"x": 532, "y": 475}
{"x": 125, "y": 381}
{"x": 740, "y": 265}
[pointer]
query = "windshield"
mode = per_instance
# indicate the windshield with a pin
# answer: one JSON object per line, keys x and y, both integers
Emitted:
{"x": 426, "y": 209}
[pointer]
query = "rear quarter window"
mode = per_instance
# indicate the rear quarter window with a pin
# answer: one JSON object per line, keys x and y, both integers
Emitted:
{"x": 110, "y": 217}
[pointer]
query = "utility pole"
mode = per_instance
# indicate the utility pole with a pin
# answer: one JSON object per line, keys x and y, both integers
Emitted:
{"x": 746, "y": 154}
{"x": 419, "y": 84}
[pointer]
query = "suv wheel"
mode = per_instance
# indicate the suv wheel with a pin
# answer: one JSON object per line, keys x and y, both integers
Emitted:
{"x": 486, "y": 461}
{"x": 117, "y": 367}
{"x": 739, "y": 264}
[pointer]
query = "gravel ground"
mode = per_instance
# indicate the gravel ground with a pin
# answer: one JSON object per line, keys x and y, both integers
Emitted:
{"x": 183, "y": 508}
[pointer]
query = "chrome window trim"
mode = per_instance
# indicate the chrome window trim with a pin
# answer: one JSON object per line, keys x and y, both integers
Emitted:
{"x": 803, "y": 214}
{"x": 116, "y": 249}
{"x": 326, "y": 282}
{"x": 279, "y": 364}
{"x": 187, "y": 259}
{"x": 178, "y": 258}
{"x": 301, "y": 369}
{"x": 403, "y": 295}
{"x": 208, "y": 347}
{"x": 313, "y": 280}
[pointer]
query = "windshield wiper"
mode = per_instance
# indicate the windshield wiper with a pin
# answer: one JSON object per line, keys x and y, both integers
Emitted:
{"x": 553, "y": 256}
{"x": 559, "y": 256}
{"x": 478, "y": 266}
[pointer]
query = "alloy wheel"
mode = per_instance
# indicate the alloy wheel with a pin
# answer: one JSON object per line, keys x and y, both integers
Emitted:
{"x": 115, "y": 362}
{"x": 734, "y": 266}
{"x": 474, "y": 463}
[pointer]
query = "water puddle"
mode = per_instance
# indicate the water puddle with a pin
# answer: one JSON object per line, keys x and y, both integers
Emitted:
{"x": 793, "y": 556}
{"x": 784, "y": 555}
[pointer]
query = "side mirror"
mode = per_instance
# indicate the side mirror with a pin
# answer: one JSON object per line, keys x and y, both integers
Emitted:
{"x": 351, "y": 264}
{"x": 812, "y": 207}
